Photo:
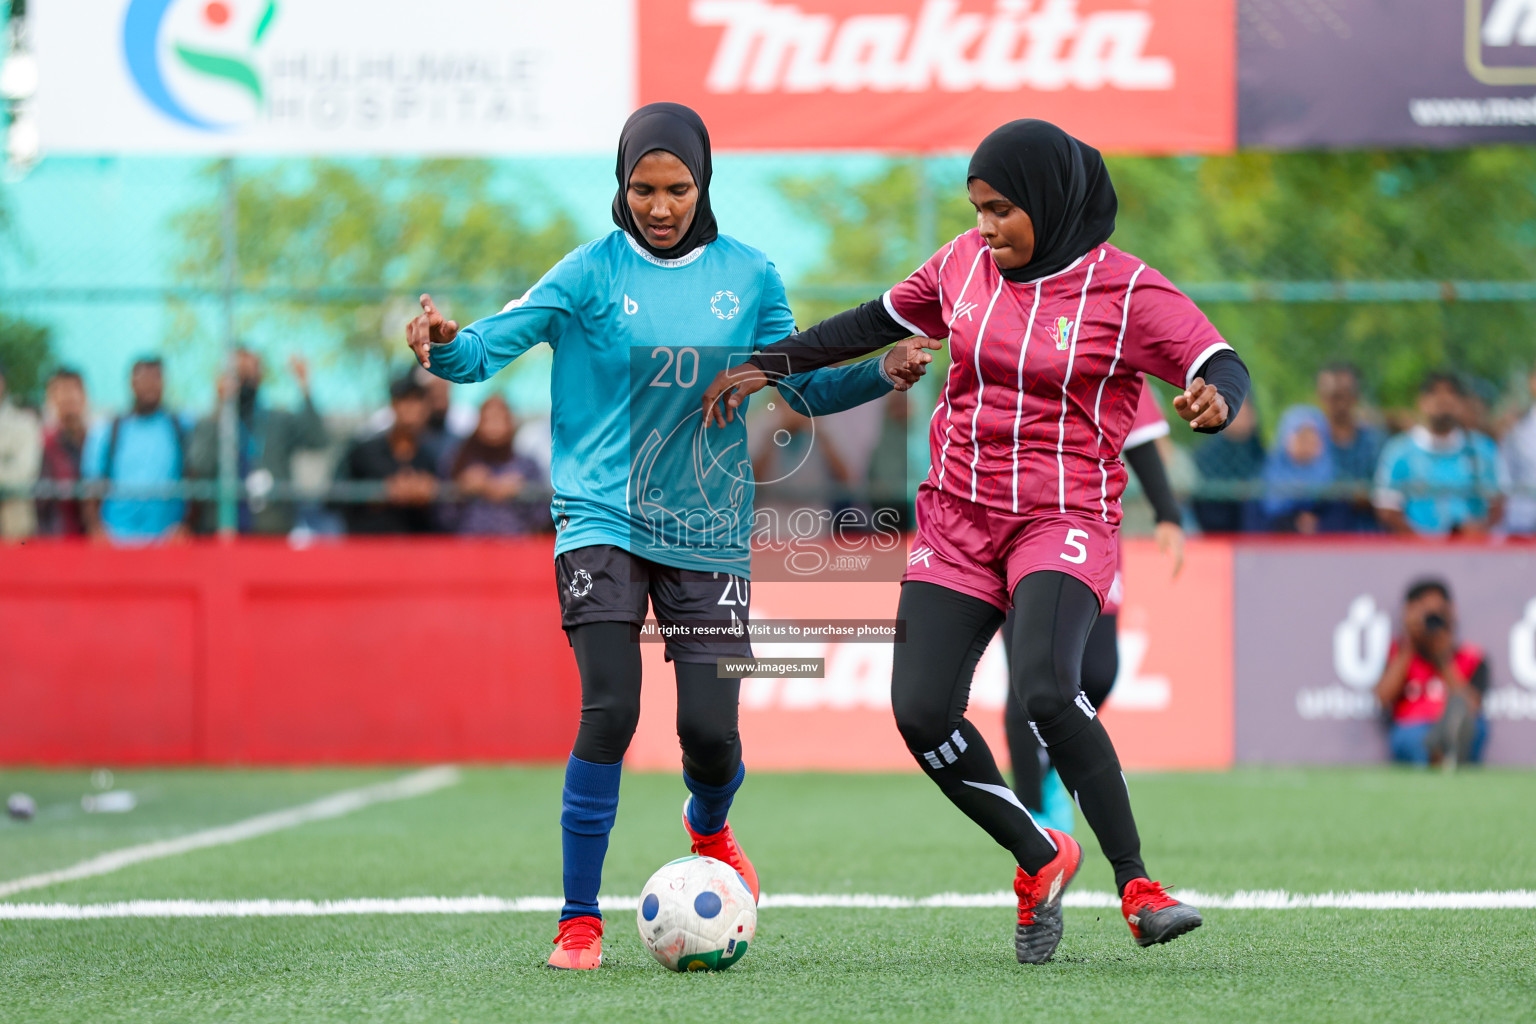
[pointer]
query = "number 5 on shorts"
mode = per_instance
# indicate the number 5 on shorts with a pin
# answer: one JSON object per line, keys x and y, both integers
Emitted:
{"x": 1075, "y": 540}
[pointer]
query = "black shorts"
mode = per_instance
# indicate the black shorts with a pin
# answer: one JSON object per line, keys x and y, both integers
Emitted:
{"x": 604, "y": 583}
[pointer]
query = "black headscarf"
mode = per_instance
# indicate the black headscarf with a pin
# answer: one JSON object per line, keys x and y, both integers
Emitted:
{"x": 1060, "y": 182}
{"x": 678, "y": 130}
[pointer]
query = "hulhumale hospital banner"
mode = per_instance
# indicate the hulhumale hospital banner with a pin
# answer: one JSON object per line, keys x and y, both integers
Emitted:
{"x": 471, "y": 77}
{"x": 504, "y": 77}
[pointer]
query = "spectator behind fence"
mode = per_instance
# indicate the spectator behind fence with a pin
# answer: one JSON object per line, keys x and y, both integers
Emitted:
{"x": 1354, "y": 445}
{"x": 1234, "y": 456}
{"x": 1439, "y": 478}
{"x": 144, "y": 449}
{"x": 402, "y": 461}
{"x": 1518, "y": 454}
{"x": 21, "y": 452}
{"x": 266, "y": 440}
{"x": 63, "y": 443}
{"x": 1433, "y": 685}
{"x": 491, "y": 477}
{"x": 447, "y": 423}
{"x": 1297, "y": 473}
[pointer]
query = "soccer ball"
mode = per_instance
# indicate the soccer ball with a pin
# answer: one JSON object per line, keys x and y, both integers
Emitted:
{"x": 697, "y": 914}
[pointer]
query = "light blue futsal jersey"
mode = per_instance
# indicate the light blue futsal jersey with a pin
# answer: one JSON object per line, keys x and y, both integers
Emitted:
{"x": 636, "y": 341}
{"x": 1438, "y": 483}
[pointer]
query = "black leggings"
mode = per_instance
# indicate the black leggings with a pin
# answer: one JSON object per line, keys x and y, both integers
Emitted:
{"x": 608, "y": 658}
{"x": 1101, "y": 664}
{"x": 946, "y": 632}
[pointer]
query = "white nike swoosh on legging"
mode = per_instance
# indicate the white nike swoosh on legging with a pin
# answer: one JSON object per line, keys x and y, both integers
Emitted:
{"x": 1007, "y": 794}
{"x": 999, "y": 791}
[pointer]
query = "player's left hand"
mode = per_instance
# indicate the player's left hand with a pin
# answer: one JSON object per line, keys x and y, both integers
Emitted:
{"x": 299, "y": 367}
{"x": 1170, "y": 541}
{"x": 908, "y": 360}
{"x": 1201, "y": 405}
{"x": 731, "y": 386}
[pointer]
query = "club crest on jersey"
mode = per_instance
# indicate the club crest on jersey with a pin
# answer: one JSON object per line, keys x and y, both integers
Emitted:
{"x": 1061, "y": 333}
{"x": 724, "y": 305}
{"x": 581, "y": 583}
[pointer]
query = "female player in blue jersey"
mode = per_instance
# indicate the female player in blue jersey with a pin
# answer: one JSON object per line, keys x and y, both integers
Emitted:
{"x": 646, "y": 504}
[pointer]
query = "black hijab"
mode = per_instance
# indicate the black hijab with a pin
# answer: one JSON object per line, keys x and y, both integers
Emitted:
{"x": 678, "y": 130}
{"x": 1060, "y": 182}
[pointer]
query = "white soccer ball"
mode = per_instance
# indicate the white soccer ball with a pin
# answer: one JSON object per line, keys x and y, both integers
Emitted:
{"x": 697, "y": 914}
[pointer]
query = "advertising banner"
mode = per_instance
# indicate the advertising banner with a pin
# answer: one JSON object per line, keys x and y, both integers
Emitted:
{"x": 477, "y": 77}
{"x": 938, "y": 75}
{"x": 1171, "y": 707}
{"x": 1364, "y": 73}
{"x": 332, "y": 76}
{"x": 1314, "y": 625}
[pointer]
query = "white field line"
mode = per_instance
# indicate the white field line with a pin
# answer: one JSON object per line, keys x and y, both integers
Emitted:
{"x": 333, "y": 806}
{"x": 1516, "y": 899}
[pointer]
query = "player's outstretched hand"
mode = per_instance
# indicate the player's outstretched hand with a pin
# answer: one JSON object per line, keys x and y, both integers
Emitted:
{"x": 729, "y": 389}
{"x": 1170, "y": 541}
{"x": 1201, "y": 405}
{"x": 427, "y": 330}
{"x": 908, "y": 361}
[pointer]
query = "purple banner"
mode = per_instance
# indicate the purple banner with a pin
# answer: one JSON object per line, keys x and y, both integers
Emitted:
{"x": 1368, "y": 73}
{"x": 1312, "y": 629}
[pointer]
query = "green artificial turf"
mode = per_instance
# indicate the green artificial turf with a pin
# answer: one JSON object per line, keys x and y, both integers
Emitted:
{"x": 496, "y": 833}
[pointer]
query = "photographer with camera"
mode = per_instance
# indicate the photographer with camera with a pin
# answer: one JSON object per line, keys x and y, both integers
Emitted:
{"x": 1433, "y": 685}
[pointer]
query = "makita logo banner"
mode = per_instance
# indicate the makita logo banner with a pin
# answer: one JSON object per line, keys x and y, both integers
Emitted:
{"x": 939, "y": 74}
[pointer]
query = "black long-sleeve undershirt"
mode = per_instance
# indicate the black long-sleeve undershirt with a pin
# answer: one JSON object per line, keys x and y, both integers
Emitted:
{"x": 1147, "y": 464}
{"x": 847, "y": 335}
{"x": 871, "y": 327}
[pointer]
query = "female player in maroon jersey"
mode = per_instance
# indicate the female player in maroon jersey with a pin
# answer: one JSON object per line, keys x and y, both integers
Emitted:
{"x": 1048, "y": 327}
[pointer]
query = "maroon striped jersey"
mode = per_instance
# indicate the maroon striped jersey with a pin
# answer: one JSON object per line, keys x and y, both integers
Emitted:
{"x": 1043, "y": 383}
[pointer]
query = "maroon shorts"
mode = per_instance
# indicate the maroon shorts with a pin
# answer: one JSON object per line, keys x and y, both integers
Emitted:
{"x": 985, "y": 552}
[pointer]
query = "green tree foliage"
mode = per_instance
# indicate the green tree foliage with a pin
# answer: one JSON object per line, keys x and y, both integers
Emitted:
{"x": 1252, "y": 217}
{"x": 26, "y": 357}
{"x": 358, "y": 241}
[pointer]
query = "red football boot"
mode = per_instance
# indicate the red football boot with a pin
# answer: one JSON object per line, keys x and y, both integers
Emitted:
{"x": 579, "y": 944}
{"x": 1039, "y": 929}
{"x": 723, "y": 846}
{"x": 1153, "y": 915}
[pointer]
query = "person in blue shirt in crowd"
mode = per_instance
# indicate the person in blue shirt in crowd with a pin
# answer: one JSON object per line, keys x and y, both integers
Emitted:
{"x": 1354, "y": 446}
{"x": 145, "y": 448}
{"x": 1298, "y": 473}
{"x": 647, "y": 503}
{"x": 1438, "y": 478}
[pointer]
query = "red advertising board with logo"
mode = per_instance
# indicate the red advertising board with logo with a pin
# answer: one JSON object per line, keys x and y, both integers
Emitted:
{"x": 937, "y": 75}
{"x": 1171, "y": 709}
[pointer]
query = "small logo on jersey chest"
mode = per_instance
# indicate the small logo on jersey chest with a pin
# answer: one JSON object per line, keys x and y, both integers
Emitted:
{"x": 581, "y": 583}
{"x": 631, "y": 307}
{"x": 724, "y": 305}
{"x": 1061, "y": 333}
{"x": 964, "y": 308}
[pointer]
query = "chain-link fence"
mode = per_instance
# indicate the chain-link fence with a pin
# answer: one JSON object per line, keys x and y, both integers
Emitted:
{"x": 1397, "y": 264}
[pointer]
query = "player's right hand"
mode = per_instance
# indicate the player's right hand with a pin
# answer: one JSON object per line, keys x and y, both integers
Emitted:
{"x": 427, "y": 330}
{"x": 729, "y": 389}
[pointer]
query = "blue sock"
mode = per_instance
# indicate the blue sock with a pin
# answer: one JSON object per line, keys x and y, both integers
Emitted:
{"x": 710, "y": 804}
{"x": 588, "y": 806}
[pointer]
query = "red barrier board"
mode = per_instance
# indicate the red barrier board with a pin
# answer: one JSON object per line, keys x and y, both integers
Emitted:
{"x": 441, "y": 650}
{"x": 1151, "y": 76}
{"x": 1171, "y": 709}
{"x": 256, "y": 653}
